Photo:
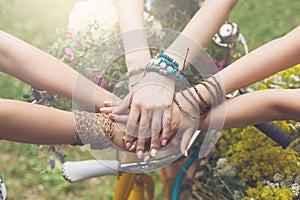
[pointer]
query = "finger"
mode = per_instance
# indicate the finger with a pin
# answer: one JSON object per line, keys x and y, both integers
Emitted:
{"x": 106, "y": 110}
{"x": 143, "y": 132}
{"x": 108, "y": 103}
{"x": 147, "y": 157}
{"x": 129, "y": 141}
{"x": 166, "y": 127}
{"x": 122, "y": 119}
{"x": 133, "y": 146}
{"x": 132, "y": 122}
{"x": 156, "y": 127}
{"x": 122, "y": 107}
{"x": 131, "y": 130}
{"x": 186, "y": 137}
{"x": 156, "y": 122}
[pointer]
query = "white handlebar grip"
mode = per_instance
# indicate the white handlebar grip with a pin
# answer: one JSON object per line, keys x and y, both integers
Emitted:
{"x": 81, "y": 170}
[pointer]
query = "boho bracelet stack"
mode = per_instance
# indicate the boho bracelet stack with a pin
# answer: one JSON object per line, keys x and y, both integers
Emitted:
{"x": 95, "y": 129}
{"x": 165, "y": 65}
{"x": 162, "y": 64}
{"x": 213, "y": 87}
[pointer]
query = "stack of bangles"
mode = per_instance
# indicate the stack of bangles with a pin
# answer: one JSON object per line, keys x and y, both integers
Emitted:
{"x": 162, "y": 64}
{"x": 213, "y": 87}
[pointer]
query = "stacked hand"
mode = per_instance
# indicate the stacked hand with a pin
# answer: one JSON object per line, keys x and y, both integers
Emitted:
{"x": 183, "y": 119}
{"x": 147, "y": 109}
{"x": 146, "y": 117}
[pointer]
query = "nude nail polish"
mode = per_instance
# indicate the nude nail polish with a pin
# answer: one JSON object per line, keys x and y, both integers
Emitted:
{"x": 107, "y": 102}
{"x": 103, "y": 109}
{"x": 140, "y": 154}
{"x": 164, "y": 142}
{"x": 132, "y": 148}
{"x": 147, "y": 158}
{"x": 153, "y": 152}
{"x": 128, "y": 145}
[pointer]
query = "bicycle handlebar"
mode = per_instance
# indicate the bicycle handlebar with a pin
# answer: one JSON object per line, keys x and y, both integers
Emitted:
{"x": 81, "y": 170}
{"x": 275, "y": 133}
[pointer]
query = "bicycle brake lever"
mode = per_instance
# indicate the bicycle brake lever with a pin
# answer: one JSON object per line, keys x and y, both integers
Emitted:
{"x": 149, "y": 165}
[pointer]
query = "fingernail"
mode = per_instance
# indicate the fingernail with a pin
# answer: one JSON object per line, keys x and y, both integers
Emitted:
{"x": 164, "y": 142}
{"x": 107, "y": 102}
{"x": 128, "y": 145}
{"x": 185, "y": 153}
{"x": 140, "y": 154}
{"x": 112, "y": 115}
{"x": 153, "y": 152}
{"x": 104, "y": 109}
{"x": 147, "y": 158}
{"x": 132, "y": 148}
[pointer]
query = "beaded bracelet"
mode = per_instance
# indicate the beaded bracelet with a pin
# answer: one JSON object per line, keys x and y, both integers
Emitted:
{"x": 188, "y": 99}
{"x": 211, "y": 92}
{"x": 184, "y": 111}
{"x": 165, "y": 65}
{"x": 200, "y": 96}
{"x": 217, "y": 92}
{"x": 203, "y": 109}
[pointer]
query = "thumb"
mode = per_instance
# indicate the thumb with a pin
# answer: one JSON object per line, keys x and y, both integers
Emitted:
{"x": 122, "y": 107}
{"x": 187, "y": 135}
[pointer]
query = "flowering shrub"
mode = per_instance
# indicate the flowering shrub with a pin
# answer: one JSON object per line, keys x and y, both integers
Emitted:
{"x": 258, "y": 159}
{"x": 285, "y": 79}
{"x": 250, "y": 166}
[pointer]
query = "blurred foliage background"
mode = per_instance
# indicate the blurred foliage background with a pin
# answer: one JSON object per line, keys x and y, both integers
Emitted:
{"x": 25, "y": 168}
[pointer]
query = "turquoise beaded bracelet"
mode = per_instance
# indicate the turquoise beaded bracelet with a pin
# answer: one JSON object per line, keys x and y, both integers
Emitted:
{"x": 166, "y": 65}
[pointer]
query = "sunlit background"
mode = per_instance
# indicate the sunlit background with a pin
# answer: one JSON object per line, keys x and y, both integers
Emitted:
{"x": 24, "y": 167}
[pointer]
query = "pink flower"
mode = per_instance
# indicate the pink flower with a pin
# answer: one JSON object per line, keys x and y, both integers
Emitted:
{"x": 102, "y": 84}
{"x": 70, "y": 54}
{"x": 98, "y": 76}
{"x": 215, "y": 174}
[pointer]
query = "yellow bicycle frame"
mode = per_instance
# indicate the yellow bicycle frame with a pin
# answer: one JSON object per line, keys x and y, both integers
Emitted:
{"x": 134, "y": 186}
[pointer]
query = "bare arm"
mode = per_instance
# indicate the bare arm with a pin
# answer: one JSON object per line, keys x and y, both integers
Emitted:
{"x": 267, "y": 60}
{"x": 201, "y": 29}
{"x": 36, "y": 124}
{"x": 263, "y": 62}
{"x": 44, "y": 71}
{"x": 131, "y": 21}
{"x": 262, "y": 106}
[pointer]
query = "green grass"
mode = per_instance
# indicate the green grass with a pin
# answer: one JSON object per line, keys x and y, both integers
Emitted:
{"x": 24, "y": 167}
{"x": 262, "y": 21}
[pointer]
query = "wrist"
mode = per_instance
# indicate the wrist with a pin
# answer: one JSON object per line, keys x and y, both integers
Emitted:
{"x": 145, "y": 78}
{"x": 139, "y": 58}
{"x": 162, "y": 69}
{"x": 166, "y": 65}
{"x": 211, "y": 90}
